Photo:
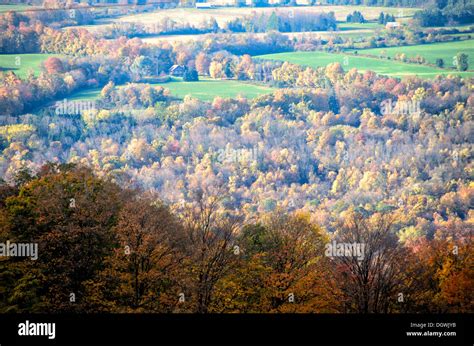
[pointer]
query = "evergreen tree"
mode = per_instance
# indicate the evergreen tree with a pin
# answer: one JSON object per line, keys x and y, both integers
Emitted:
{"x": 440, "y": 63}
{"x": 191, "y": 75}
{"x": 272, "y": 24}
{"x": 462, "y": 63}
{"x": 381, "y": 19}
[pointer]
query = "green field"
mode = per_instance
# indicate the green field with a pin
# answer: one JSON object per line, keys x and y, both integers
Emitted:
{"x": 22, "y": 63}
{"x": 85, "y": 95}
{"x": 468, "y": 35}
{"x": 359, "y": 26}
{"x": 223, "y": 15}
{"x": 353, "y": 33}
{"x": 356, "y": 35}
{"x": 205, "y": 89}
{"x": 347, "y": 61}
{"x": 6, "y": 8}
{"x": 431, "y": 52}
{"x": 459, "y": 27}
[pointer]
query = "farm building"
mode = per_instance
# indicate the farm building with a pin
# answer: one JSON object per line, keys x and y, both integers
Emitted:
{"x": 392, "y": 25}
{"x": 177, "y": 70}
{"x": 203, "y": 4}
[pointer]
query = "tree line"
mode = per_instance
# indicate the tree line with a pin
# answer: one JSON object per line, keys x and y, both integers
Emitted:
{"x": 443, "y": 11}
{"x": 105, "y": 248}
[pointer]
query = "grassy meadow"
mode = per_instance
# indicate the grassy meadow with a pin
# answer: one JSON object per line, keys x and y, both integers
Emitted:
{"x": 344, "y": 32}
{"x": 20, "y": 64}
{"x": 444, "y": 50}
{"x": 359, "y": 26}
{"x": 223, "y": 15}
{"x": 380, "y": 66}
{"x": 205, "y": 89}
{"x": 85, "y": 95}
{"x": 6, "y": 8}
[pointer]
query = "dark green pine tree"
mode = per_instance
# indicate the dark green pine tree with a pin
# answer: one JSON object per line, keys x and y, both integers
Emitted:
{"x": 272, "y": 24}
{"x": 381, "y": 19}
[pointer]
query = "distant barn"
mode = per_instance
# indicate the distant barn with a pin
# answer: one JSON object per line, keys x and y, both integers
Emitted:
{"x": 203, "y": 4}
{"x": 177, "y": 70}
{"x": 392, "y": 25}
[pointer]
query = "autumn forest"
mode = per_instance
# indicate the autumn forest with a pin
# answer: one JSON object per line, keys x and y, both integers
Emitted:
{"x": 271, "y": 164}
